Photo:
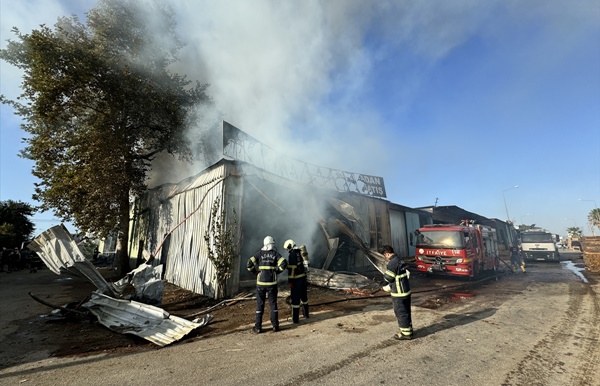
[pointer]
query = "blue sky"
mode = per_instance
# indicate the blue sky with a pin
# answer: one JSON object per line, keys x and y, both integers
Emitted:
{"x": 450, "y": 101}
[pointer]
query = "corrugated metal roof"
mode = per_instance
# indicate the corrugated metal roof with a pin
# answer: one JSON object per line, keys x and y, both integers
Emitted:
{"x": 454, "y": 215}
{"x": 151, "y": 323}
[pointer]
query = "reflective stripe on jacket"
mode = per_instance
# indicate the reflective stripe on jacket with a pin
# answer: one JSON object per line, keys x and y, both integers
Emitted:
{"x": 266, "y": 265}
{"x": 296, "y": 266}
{"x": 396, "y": 275}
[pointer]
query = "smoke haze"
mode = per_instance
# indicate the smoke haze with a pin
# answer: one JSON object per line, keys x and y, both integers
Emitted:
{"x": 387, "y": 87}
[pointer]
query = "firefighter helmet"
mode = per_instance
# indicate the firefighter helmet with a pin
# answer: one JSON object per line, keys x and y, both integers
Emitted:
{"x": 268, "y": 240}
{"x": 289, "y": 244}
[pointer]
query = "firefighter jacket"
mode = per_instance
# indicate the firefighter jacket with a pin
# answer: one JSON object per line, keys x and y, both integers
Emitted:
{"x": 397, "y": 275}
{"x": 297, "y": 264}
{"x": 266, "y": 265}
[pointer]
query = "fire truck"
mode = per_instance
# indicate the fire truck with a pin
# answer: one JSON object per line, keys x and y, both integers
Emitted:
{"x": 464, "y": 250}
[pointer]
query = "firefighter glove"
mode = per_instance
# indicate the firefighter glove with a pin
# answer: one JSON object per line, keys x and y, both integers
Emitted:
{"x": 387, "y": 288}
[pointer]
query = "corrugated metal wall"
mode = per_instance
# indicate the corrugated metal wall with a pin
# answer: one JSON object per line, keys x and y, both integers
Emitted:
{"x": 174, "y": 226}
{"x": 398, "y": 225}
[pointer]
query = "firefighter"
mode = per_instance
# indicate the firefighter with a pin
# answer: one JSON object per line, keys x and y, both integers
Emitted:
{"x": 515, "y": 258}
{"x": 266, "y": 264}
{"x": 397, "y": 276}
{"x": 297, "y": 271}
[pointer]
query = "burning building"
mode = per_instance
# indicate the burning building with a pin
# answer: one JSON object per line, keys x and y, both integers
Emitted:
{"x": 253, "y": 191}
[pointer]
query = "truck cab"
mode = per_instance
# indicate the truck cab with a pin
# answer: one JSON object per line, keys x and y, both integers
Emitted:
{"x": 538, "y": 245}
{"x": 456, "y": 250}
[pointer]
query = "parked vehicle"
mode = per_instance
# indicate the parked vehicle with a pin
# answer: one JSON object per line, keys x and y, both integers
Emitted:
{"x": 457, "y": 250}
{"x": 538, "y": 244}
{"x": 576, "y": 246}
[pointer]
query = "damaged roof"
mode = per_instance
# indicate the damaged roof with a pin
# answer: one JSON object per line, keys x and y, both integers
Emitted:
{"x": 149, "y": 322}
{"x": 61, "y": 254}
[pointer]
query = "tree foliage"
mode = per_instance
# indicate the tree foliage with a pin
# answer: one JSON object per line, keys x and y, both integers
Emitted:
{"x": 594, "y": 218}
{"x": 575, "y": 232}
{"x": 15, "y": 226}
{"x": 524, "y": 227}
{"x": 222, "y": 247}
{"x": 99, "y": 102}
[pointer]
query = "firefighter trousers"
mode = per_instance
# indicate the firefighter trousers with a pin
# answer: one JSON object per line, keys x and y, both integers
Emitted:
{"x": 299, "y": 295}
{"x": 262, "y": 293}
{"x": 516, "y": 262}
{"x": 402, "y": 311}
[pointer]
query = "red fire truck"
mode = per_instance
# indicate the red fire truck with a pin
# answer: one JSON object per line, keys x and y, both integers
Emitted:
{"x": 458, "y": 250}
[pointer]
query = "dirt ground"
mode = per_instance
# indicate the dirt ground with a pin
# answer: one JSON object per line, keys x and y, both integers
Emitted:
{"x": 33, "y": 331}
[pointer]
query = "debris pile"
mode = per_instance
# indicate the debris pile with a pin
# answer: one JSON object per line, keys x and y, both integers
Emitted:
{"x": 127, "y": 306}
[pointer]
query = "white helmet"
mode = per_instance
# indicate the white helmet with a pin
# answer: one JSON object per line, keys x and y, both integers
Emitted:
{"x": 289, "y": 244}
{"x": 268, "y": 240}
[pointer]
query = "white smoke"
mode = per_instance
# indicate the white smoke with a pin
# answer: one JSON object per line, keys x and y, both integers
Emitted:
{"x": 301, "y": 76}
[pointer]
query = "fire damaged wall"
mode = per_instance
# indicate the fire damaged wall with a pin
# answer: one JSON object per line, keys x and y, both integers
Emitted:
{"x": 284, "y": 212}
{"x": 170, "y": 223}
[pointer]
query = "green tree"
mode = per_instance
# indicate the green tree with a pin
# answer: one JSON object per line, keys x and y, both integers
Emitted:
{"x": 222, "y": 247}
{"x": 575, "y": 232}
{"x": 15, "y": 226}
{"x": 594, "y": 218}
{"x": 99, "y": 104}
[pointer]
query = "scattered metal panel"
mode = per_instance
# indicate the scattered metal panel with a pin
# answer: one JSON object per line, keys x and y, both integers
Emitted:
{"x": 376, "y": 258}
{"x": 146, "y": 282}
{"x": 60, "y": 253}
{"x": 339, "y": 280}
{"x": 333, "y": 246}
{"x": 373, "y": 230}
{"x": 151, "y": 323}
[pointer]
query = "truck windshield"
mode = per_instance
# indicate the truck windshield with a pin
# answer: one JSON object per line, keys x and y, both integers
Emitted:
{"x": 536, "y": 238}
{"x": 440, "y": 239}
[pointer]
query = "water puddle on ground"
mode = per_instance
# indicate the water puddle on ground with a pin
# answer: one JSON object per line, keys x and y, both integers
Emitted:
{"x": 441, "y": 299}
{"x": 575, "y": 269}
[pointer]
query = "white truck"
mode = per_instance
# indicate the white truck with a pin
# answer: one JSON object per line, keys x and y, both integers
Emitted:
{"x": 538, "y": 244}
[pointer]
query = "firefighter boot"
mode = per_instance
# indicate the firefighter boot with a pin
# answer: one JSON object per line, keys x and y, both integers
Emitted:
{"x": 296, "y": 314}
{"x": 523, "y": 268}
{"x": 305, "y": 310}
{"x": 257, "y": 329}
